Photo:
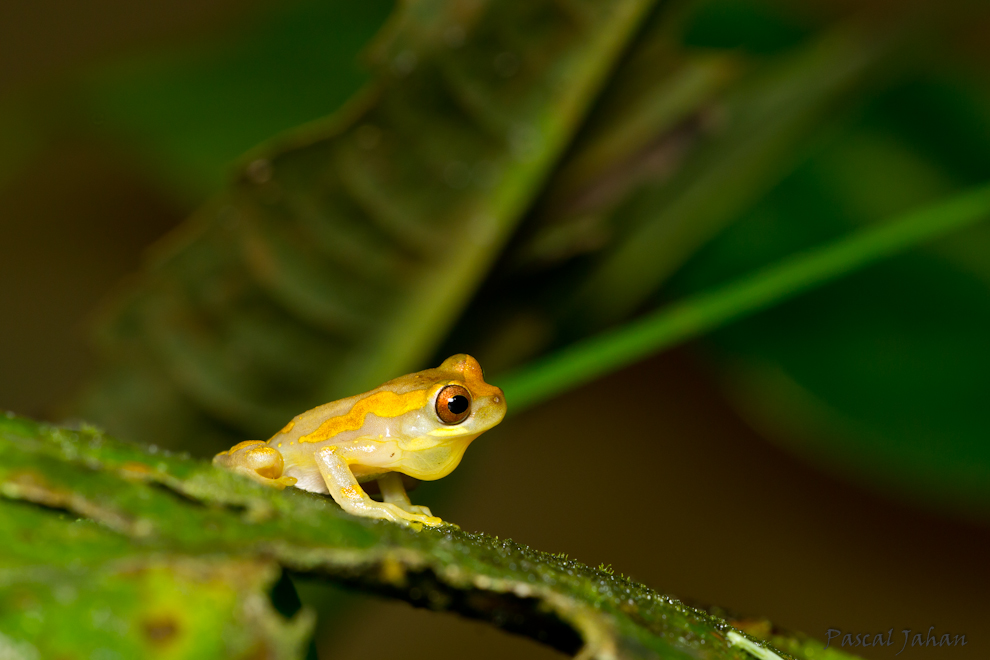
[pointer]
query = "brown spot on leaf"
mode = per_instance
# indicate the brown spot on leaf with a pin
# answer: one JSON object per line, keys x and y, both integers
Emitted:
{"x": 160, "y": 630}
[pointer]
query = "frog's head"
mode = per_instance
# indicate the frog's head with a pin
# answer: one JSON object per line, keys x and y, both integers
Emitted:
{"x": 458, "y": 405}
{"x": 463, "y": 403}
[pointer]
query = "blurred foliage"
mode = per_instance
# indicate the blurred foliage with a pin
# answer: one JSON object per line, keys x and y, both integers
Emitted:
{"x": 880, "y": 375}
{"x": 344, "y": 251}
{"x": 508, "y": 191}
{"x": 193, "y": 110}
{"x": 180, "y": 556}
{"x": 184, "y": 113}
{"x": 715, "y": 306}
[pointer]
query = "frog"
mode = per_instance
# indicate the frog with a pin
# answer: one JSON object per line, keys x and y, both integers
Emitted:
{"x": 418, "y": 425}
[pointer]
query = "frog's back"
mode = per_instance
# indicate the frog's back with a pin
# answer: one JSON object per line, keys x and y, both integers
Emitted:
{"x": 308, "y": 422}
{"x": 333, "y": 419}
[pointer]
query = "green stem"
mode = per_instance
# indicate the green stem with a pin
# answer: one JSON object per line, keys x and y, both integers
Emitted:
{"x": 588, "y": 359}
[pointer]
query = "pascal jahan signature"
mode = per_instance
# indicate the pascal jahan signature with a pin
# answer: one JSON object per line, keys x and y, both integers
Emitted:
{"x": 867, "y": 639}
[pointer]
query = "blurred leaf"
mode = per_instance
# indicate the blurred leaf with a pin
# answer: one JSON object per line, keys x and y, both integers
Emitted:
{"x": 756, "y": 26}
{"x": 893, "y": 392}
{"x": 192, "y": 110}
{"x": 681, "y": 143}
{"x": 186, "y": 112}
{"x": 941, "y": 129}
{"x": 173, "y": 557}
{"x": 669, "y": 223}
{"x": 588, "y": 359}
{"x": 346, "y": 249}
{"x": 879, "y": 377}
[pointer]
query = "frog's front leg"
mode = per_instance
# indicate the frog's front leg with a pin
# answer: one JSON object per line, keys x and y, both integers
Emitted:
{"x": 255, "y": 459}
{"x": 394, "y": 492}
{"x": 347, "y": 492}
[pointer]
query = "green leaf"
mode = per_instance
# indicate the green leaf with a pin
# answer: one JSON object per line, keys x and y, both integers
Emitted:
{"x": 173, "y": 557}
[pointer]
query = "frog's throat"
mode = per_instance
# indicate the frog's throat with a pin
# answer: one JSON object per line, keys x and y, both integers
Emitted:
{"x": 435, "y": 462}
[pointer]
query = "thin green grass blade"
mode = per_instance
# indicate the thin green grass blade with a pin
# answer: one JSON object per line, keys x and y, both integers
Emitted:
{"x": 609, "y": 351}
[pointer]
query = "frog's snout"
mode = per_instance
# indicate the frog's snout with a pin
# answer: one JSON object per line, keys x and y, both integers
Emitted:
{"x": 493, "y": 408}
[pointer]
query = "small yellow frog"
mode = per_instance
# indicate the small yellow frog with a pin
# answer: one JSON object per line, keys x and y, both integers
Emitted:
{"x": 417, "y": 425}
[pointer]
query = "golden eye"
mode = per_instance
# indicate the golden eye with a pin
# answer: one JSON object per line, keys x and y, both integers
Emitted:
{"x": 453, "y": 404}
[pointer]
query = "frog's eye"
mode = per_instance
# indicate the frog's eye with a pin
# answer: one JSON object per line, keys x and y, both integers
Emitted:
{"x": 453, "y": 404}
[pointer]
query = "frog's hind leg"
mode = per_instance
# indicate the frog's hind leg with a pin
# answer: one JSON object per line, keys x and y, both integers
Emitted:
{"x": 394, "y": 492}
{"x": 256, "y": 460}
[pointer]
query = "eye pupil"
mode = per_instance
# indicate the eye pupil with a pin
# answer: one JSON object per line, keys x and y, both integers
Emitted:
{"x": 453, "y": 404}
{"x": 458, "y": 404}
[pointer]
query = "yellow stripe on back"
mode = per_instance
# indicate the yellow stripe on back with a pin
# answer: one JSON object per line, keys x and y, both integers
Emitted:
{"x": 383, "y": 404}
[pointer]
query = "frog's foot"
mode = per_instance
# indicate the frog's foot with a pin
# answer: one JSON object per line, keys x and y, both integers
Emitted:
{"x": 256, "y": 460}
{"x": 415, "y": 508}
{"x": 356, "y": 502}
{"x": 393, "y": 492}
{"x": 415, "y": 514}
